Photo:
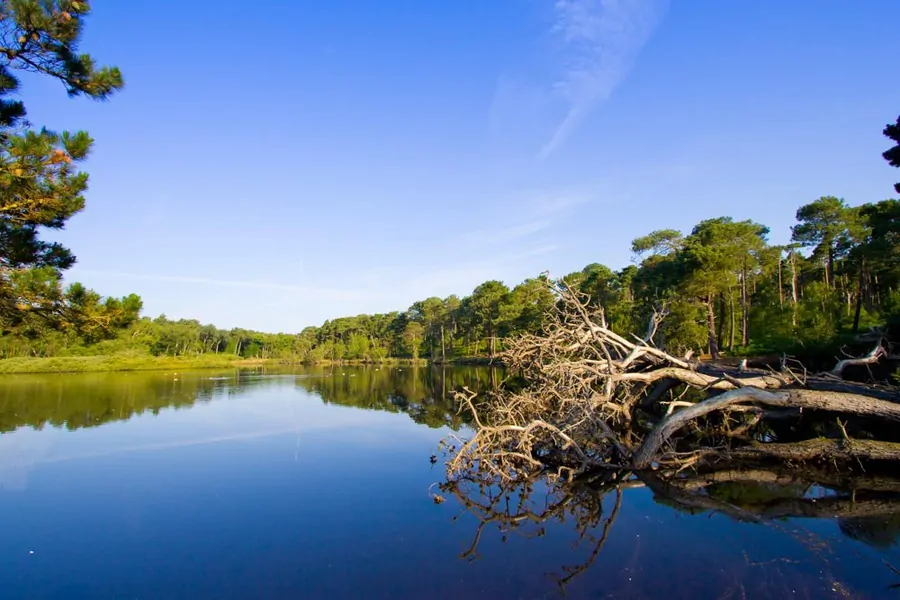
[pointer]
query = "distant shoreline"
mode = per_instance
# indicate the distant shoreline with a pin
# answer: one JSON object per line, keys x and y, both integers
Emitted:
{"x": 114, "y": 363}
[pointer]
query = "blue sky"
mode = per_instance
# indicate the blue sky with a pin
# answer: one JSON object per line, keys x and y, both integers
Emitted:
{"x": 276, "y": 166}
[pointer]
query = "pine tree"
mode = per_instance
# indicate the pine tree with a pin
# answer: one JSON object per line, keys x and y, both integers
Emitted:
{"x": 41, "y": 186}
{"x": 892, "y": 155}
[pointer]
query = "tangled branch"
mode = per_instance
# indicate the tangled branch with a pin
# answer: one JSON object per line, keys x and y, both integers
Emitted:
{"x": 596, "y": 399}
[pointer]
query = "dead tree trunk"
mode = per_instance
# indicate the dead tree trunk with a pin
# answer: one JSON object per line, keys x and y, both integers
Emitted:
{"x": 827, "y": 401}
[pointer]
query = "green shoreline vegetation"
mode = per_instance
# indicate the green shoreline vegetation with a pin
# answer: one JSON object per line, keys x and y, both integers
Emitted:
{"x": 723, "y": 286}
{"x": 145, "y": 362}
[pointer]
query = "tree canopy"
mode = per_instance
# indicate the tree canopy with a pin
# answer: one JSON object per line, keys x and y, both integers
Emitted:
{"x": 41, "y": 185}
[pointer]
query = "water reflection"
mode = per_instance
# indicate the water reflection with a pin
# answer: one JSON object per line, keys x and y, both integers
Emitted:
{"x": 866, "y": 508}
{"x": 90, "y": 400}
{"x": 425, "y": 394}
{"x": 315, "y": 484}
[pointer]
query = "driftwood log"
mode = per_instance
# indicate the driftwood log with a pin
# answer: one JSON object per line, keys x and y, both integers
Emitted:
{"x": 594, "y": 399}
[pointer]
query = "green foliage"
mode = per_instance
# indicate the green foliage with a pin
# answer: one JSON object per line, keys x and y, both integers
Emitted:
{"x": 41, "y": 186}
{"x": 662, "y": 242}
{"x": 42, "y": 36}
{"x": 892, "y": 313}
{"x": 413, "y": 334}
{"x": 825, "y": 225}
{"x": 817, "y": 315}
{"x": 892, "y": 155}
{"x": 684, "y": 327}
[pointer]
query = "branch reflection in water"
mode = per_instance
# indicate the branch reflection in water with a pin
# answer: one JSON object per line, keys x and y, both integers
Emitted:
{"x": 866, "y": 507}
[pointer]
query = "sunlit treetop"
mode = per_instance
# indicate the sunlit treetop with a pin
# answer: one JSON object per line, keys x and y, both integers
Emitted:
{"x": 42, "y": 36}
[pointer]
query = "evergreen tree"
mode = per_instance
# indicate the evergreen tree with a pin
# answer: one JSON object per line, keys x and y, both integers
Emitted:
{"x": 892, "y": 155}
{"x": 823, "y": 226}
{"x": 41, "y": 186}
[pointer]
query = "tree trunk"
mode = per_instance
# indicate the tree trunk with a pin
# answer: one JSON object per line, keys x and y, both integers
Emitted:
{"x": 859, "y": 295}
{"x": 731, "y": 315}
{"x": 829, "y": 270}
{"x": 745, "y": 310}
{"x": 720, "y": 327}
{"x": 443, "y": 347}
{"x": 711, "y": 328}
{"x": 780, "y": 283}
{"x": 794, "y": 288}
{"x": 431, "y": 339}
{"x": 808, "y": 399}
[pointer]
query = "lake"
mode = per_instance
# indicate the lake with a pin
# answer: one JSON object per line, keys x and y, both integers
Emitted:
{"x": 319, "y": 483}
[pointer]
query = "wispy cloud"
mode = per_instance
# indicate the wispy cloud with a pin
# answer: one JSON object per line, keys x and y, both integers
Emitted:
{"x": 537, "y": 251}
{"x": 551, "y": 203}
{"x": 600, "y": 42}
{"x": 539, "y": 212}
{"x": 507, "y": 234}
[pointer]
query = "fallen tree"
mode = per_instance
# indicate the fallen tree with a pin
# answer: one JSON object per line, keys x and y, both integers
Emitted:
{"x": 595, "y": 399}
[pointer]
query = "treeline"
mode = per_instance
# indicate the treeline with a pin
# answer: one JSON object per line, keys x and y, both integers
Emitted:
{"x": 437, "y": 329}
{"x": 722, "y": 286}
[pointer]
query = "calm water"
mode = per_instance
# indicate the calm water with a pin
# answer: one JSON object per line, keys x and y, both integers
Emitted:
{"x": 316, "y": 485}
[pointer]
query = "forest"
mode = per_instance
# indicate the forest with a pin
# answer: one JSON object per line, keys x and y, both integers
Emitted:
{"x": 723, "y": 287}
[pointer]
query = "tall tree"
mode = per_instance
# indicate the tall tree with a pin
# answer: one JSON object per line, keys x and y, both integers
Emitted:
{"x": 527, "y": 305}
{"x": 662, "y": 242}
{"x": 717, "y": 259}
{"x": 449, "y": 322}
{"x": 485, "y": 305}
{"x": 823, "y": 226}
{"x": 40, "y": 184}
{"x": 428, "y": 312}
{"x": 413, "y": 336}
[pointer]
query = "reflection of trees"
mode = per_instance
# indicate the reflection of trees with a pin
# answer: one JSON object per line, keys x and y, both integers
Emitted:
{"x": 426, "y": 394}
{"x": 89, "y": 400}
{"x": 867, "y": 507}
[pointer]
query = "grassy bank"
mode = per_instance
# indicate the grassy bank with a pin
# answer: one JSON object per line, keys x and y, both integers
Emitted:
{"x": 94, "y": 364}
